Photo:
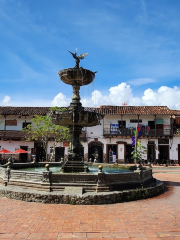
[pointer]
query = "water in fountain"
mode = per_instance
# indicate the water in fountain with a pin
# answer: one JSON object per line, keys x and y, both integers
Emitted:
{"x": 92, "y": 169}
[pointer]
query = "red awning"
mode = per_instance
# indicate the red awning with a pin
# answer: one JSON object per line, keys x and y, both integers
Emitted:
{"x": 20, "y": 151}
{"x": 5, "y": 151}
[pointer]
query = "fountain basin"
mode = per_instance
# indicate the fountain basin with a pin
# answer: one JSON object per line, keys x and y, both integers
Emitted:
{"x": 76, "y": 76}
{"x": 97, "y": 182}
{"x": 81, "y": 118}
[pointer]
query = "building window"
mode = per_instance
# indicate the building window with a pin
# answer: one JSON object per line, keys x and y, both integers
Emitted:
{"x": 151, "y": 124}
{"x": 135, "y": 121}
{"x": 25, "y": 124}
{"x": 11, "y": 122}
{"x": 122, "y": 124}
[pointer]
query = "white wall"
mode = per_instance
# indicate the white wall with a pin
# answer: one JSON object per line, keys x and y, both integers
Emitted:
{"x": 145, "y": 118}
{"x": 19, "y": 122}
{"x": 11, "y": 145}
{"x": 174, "y": 148}
{"x": 94, "y": 132}
{"x": 50, "y": 144}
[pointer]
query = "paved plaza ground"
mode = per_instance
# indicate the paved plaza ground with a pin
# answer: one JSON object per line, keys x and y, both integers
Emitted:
{"x": 151, "y": 219}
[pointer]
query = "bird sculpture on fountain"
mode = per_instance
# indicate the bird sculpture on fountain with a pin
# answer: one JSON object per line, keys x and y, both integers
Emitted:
{"x": 77, "y": 58}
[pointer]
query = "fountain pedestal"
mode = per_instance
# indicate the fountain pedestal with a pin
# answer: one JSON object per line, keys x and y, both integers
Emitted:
{"x": 75, "y": 153}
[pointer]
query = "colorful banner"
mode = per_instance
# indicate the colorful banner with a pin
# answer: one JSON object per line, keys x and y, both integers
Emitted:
{"x": 133, "y": 140}
{"x": 135, "y": 133}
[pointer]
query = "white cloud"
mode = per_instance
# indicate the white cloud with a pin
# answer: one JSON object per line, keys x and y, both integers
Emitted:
{"x": 150, "y": 97}
{"x": 117, "y": 95}
{"x": 60, "y": 100}
{"x": 6, "y": 101}
{"x": 164, "y": 96}
{"x": 141, "y": 81}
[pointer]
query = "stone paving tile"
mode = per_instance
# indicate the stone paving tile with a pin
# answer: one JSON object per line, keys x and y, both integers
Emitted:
{"x": 93, "y": 238}
{"x": 35, "y": 236}
{"x": 123, "y": 238}
{"x": 78, "y": 235}
{"x": 153, "y": 238}
{"x": 93, "y": 235}
{"x": 21, "y": 236}
{"x": 121, "y": 235}
{"x": 7, "y": 236}
{"x": 50, "y": 235}
{"x": 64, "y": 235}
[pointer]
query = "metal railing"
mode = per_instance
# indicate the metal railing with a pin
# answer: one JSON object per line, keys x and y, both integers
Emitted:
{"x": 130, "y": 132}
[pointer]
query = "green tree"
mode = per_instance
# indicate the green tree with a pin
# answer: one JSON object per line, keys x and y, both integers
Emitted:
{"x": 42, "y": 129}
{"x": 178, "y": 131}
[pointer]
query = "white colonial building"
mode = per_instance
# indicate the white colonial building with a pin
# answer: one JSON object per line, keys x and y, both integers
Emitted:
{"x": 109, "y": 141}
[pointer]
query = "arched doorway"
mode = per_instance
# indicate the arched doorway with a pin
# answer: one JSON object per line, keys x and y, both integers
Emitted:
{"x": 95, "y": 149}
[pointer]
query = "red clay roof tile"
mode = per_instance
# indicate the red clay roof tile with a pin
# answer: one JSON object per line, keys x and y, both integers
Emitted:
{"x": 105, "y": 110}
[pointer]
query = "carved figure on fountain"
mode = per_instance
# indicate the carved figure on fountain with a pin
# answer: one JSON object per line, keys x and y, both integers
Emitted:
{"x": 77, "y": 58}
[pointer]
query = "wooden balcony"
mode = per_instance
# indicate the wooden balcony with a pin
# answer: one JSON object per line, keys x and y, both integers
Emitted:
{"x": 11, "y": 135}
{"x": 20, "y": 135}
{"x": 125, "y": 132}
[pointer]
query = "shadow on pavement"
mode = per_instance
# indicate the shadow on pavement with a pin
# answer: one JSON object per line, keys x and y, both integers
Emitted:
{"x": 172, "y": 184}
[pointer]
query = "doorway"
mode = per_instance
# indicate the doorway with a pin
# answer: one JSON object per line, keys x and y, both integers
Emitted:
{"x": 95, "y": 150}
{"x": 40, "y": 154}
{"x": 179, "y": 154}
{"x": 163, "y": 154}
{"x": 128, "y": 155}
{"x": 59, "y": 153}
{"x": 112, "y": 153}
{"x": 151, "y": 153}
{"x": 23, "y": 156}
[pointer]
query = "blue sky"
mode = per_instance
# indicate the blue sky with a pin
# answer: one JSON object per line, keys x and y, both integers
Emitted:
{"x": 134, "y": 45}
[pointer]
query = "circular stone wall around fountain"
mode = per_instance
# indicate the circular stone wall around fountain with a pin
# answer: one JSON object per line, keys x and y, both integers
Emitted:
{"x": 77, "y": 188}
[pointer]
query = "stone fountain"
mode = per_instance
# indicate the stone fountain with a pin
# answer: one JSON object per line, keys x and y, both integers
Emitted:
{"x": 75, "y": 117}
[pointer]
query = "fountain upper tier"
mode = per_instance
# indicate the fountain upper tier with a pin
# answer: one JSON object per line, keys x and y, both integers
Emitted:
{"x": 71, "y": 118}
{"x": 76, "y": 76}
